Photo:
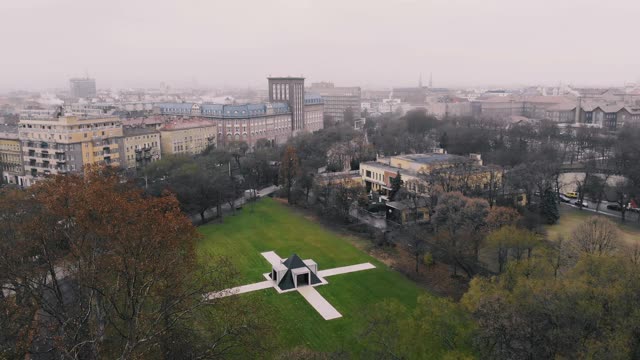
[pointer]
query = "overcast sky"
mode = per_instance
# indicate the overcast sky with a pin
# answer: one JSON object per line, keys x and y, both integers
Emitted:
{"x": 370, "y": 43}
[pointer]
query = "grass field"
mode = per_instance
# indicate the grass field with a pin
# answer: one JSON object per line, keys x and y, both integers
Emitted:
{"x": 570, "y": 218}
{"x": 268, "y": 225}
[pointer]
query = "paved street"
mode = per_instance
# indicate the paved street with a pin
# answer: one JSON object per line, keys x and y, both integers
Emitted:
{"x": 631, "y": 216}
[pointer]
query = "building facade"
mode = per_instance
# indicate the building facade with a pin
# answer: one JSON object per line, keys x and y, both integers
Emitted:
{"x": 187, "y": 137}
{"x": 11, "y": 156}
{"x": 421, "y": 172}
{"x": 83, "y": 87}
{"x": 291, "y": 91}
{"x": 288, "y": 112}
{"x": 141, "y": 147}
{"x": 338, "y": 100}
{"x": 66, "y": 143}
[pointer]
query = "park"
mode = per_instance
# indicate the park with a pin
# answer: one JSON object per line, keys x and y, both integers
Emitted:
{"x": 270, "y": 226}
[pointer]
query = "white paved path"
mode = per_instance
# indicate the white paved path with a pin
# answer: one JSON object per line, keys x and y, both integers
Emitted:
{"x": 345, "y": 269}
{"x": 313, "y": 297}
{"x": 241, "y": 289}
{"x": 272, "y": 257}
{"x": 319, "y": 303}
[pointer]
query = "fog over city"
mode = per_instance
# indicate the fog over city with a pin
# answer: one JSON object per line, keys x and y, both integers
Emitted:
{"x": 368, "y": 43}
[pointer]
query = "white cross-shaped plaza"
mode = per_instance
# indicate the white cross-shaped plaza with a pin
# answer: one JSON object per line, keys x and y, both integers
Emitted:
{"x": 313, "y": 297}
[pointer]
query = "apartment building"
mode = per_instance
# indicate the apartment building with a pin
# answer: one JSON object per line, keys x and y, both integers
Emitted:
{"x": 337, "y": 100}
{"x": 82, "y": 87}
{"x": 187, "y": 137}
{"x": 533, "y": 107}
{"x": 11, "y": 155}
{"x": 141, "y": 147}
{"x": 65, "y": 143}
{"x": 288, "y": 111}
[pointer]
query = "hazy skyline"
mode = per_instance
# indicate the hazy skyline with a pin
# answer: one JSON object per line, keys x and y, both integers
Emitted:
{"x": 369, "y": 43}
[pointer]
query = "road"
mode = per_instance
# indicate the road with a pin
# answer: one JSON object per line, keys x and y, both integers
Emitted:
{"x": 604, "y": 211}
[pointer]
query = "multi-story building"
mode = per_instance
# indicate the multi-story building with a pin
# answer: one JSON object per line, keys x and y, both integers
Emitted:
{"x": 11, "y": 155}
{"x": 291, "y": 91}
{"x": 337, "y": 100}
{"x": 288, "y": 112}
{"x": 411, "y": 95}
{"x": 66, "y": 143}
{"x": 141, "y": 147}
{"x": 313, "y": 112}
{"x": 417, "y": 170}
{"x": 191, "y": 136}
{"x": 83, "y": 87}
{"x": 534, "y": 107}
{"x": 564, "y": 113}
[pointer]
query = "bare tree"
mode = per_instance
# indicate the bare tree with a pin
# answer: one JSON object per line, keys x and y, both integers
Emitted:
{"x": 596, "y": 236}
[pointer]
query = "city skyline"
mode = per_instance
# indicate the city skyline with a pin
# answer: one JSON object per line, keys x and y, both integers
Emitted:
{"x": 141, "y": 43}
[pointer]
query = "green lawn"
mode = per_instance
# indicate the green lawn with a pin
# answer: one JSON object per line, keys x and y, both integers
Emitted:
{"x": 266, "y": 226}
{"x": 570, "y": 218}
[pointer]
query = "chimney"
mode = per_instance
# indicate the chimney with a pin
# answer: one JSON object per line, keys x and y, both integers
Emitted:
{"x": 578, "y": 109}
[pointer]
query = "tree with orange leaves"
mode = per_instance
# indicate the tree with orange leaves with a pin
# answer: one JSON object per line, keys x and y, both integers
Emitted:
{"x": 103, "y": 270}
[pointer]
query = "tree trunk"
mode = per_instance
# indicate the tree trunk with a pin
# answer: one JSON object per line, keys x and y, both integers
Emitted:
{"x": 202, "y": 220}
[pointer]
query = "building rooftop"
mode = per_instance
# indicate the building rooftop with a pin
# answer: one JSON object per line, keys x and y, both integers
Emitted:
{"x": 143, "y": 121}
{"x": 285, "y": 78}
{"x": 393, "y": 169}
{"x": 9, "y": 128}
{"x": 223, "y": 111}
{"x": 186, "y": 124}
{"x": 562, "y": 107}
{"x": 134, "y": 131}
{"x": 310, "y": 99}
{"x": 611, "y": 108}
{"x": 433, "y": 158}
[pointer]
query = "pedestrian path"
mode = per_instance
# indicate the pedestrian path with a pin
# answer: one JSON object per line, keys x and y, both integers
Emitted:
{"x": 313, "y": 297}
{"x": 319, "y": 303}
{"x": 272, "y": 258}
{"x": 345, "y": 269}
{"x": 241, "y": 289}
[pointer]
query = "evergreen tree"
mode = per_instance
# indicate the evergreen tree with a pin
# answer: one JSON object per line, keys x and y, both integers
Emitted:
{"x": 444, "y": 140}
{"x": 549, "y": 207}
{"x": 396, "y": 184}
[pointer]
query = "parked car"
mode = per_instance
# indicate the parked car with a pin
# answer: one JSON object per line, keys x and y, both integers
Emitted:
{"x": 571, "y": 195}
{"x": 583, "y": 203}
{"x": 564, "y": 199}
{"x": 635, "y": 210}
{"x": 614, "y": 207}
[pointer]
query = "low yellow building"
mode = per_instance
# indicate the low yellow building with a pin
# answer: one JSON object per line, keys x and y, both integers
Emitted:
{"x": 66, "y": 143}
{"x": 141, "y": 147}
{"x": 424, "y": 173}
{"x": 187, "y": 137}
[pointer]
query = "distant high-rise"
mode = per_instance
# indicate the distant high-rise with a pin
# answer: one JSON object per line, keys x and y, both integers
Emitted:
{"x": 83, "y": 87}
